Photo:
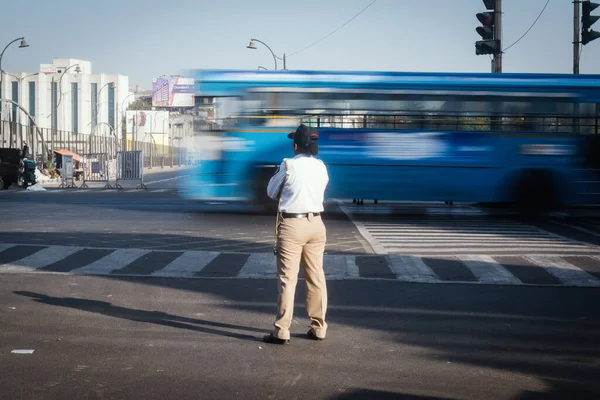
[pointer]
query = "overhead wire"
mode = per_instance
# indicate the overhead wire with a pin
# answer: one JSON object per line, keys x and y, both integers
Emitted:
{"x": 530, "y": 28}
{"x": 334, "y": 31}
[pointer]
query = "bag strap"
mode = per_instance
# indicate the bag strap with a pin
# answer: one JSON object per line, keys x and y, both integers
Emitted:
{"x": 278, "y": 216}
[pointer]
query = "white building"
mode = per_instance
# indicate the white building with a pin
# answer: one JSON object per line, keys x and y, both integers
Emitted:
{"x": 67, "y": 96}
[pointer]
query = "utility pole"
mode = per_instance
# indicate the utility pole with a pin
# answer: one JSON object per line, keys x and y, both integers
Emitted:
{"x": 491, "y": 32}
{"x": 497, "y": 62}
{"x": 576, "y": 42}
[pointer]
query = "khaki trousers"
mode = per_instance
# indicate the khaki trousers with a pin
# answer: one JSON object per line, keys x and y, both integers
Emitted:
{"x": 301, "y": 239}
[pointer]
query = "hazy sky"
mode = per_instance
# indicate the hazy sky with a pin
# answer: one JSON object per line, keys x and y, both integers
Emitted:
{"x": 148, "y": 38}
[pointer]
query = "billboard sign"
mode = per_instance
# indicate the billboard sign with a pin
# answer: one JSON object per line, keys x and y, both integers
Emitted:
{"x": 173, "y": 92}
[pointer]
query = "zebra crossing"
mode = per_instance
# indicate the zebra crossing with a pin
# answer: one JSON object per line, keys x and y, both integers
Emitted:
{"x": 450, "y": 231}
{"x": 528, "y": 269}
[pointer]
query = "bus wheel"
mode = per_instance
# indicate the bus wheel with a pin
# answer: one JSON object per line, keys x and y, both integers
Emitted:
{"x": 375, "y": 201}
{"x": 5, "y": 184}
{"x": 535, "y": 193}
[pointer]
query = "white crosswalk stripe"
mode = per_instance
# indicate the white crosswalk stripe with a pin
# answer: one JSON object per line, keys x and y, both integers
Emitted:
{"x": 487, "y": 270}
{"x": 568, "y": 273}
{"x": 187, "y": 264}
{"x": 411, "y": 269}
{"x": 440, "y": 235}
{"x": 5, "y": 246}
{"x": 259, "y": 266}
{"x": 406, "y": 268}
{"x": 39, "y": 259}
{"x": 116, "y": 260}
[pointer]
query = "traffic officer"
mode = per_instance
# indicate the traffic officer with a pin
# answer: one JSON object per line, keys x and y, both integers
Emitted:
{"x": 299, "y": 185}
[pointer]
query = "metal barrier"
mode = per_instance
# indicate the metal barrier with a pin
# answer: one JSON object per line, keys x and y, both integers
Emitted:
{"x": 66, "y": 173}
{"x": 130, "y": 167}
{"x": 96, "y": 170}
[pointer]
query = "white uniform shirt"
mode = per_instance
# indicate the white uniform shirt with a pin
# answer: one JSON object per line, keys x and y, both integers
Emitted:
{"x": 304, "y": 188}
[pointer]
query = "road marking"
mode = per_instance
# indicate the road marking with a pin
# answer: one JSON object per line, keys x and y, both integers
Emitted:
{"x": 374, "y": 243}
{"x": 116, "y": 260}
{"x": 446, "y": 236}
{"x": 166, "y": 180}
{"x": 261, "y": 265}
{"x": 24, "y": 351}
{"x": 482, "y": 269}
{"x": 411, "y": 269}
{"x": 579, "y": 228}
{"x": 336, "y": 266}
{"x": 187, "y": 264}
{"x": 5, "y": 247}
{"x": 488, "y": 250}
{"x": 487, "y": 270}
{"x": 353, "y": 271}
{"x": 566, "y": 272}
{"x": 40, "y": 259}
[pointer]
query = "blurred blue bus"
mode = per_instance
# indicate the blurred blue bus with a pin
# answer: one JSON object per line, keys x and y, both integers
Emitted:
{"x": 525, "y": 139}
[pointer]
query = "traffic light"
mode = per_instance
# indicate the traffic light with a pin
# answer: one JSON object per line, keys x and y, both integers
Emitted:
{"x": 587, "y": 20}
{"x": 486, "y": 31}
{"x": 487, "y": 47}
{"x": 490, "y": 44}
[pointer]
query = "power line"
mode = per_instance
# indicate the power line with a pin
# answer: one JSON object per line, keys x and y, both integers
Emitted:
{"x": 337, "y": 29}
{"x": 530, "y": 28}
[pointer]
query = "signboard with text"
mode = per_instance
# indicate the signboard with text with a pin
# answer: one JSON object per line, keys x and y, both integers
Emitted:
{"x": 173, "y": 92}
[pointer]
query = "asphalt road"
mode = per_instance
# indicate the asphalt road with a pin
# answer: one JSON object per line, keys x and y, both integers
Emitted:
{"x": 155, "y": 220}
{"x": 123, "y": 338}
{"x": 129, "y": 331}
{"x": 142, "y": 233}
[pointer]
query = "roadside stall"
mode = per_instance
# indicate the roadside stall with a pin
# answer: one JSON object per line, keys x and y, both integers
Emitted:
{"x": 77, "y": 162}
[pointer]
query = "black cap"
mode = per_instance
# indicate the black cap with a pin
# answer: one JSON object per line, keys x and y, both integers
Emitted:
{"x": 303, "y": 135}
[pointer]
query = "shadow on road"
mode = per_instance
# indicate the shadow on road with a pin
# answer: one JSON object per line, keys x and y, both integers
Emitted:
{"x": 151, "y": 317}
{"x": 544, "y": 333}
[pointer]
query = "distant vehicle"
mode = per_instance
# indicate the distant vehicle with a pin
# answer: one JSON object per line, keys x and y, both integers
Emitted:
{"x": 530, "y": 140}
{"x": 16, "y": 168}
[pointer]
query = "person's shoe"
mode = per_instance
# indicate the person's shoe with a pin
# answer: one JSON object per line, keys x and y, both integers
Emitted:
{"x": 311, "y": 335}
{"x": 273, "y": 340}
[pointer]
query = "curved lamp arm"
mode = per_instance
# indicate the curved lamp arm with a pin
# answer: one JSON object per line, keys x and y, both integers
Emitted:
{"x": 23, "y": 44}
{"x": 60, "y": 82}
{"x": 275, "y": 57}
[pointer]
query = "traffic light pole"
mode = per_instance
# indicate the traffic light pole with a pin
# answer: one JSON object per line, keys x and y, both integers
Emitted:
{"x": 576, "y": 42}
{"x": 497, "y": 61}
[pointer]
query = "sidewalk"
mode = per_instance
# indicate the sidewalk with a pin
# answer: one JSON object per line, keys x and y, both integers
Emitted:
{"x": 46, "y": 181}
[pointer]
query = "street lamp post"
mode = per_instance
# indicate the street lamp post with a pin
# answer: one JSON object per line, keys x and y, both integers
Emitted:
{"x": 54, "y": 117}
{"x": 19, "y": 81}
{"x": 18, "y": 119}
{"x": 112, "y": 85}
{"x": 252, "y": 46}
{"x": 77, "y": 70}
{"x": 123, "y": 117}
{"x": 21, "y": 46}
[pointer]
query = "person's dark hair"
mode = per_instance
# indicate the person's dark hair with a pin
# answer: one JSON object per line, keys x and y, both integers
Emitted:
{"x": 311, "y": 148}
{"x": 306, "y": 139}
